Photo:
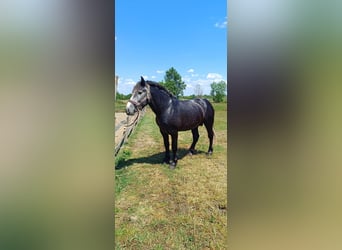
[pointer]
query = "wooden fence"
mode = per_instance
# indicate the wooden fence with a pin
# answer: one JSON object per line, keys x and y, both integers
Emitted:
{"x": 125, "y": 131}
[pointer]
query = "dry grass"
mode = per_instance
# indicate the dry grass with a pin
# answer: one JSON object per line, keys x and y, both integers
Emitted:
{"x": 185, "y": 208}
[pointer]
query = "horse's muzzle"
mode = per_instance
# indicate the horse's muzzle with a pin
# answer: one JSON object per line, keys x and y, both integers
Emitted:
{"x": 130, "y": 109}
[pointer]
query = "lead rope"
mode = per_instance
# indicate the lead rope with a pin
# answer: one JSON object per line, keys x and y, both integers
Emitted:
{"x": 136, "y": 118}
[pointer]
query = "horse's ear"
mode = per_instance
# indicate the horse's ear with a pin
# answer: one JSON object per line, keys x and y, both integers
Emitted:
{"x": 142, "y": 81}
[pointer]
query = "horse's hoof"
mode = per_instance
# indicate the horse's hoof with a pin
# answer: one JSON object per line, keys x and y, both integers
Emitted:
{"x": 192, "y": 152}
{"x": 166, "y": 161}
{"x": 209, "y": 153}
{"x": 172, "y": 165}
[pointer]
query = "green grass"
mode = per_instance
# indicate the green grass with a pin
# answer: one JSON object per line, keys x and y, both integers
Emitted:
{"x": 120, "y": 105}
{"x": 159, "y": 208}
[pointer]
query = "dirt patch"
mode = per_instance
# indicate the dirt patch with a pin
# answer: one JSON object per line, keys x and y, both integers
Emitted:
{"x": 120, "y": 122}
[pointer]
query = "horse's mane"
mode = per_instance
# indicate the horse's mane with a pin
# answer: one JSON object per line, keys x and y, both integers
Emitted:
{"x": 157, "y": 85}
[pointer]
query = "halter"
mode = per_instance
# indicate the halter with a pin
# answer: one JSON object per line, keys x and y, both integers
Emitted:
{"x": 135, "y": 104}
{"x": 138, "y": 105}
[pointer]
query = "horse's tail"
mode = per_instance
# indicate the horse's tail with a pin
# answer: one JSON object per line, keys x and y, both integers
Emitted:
{"x": 210, "y": 110}
{"x": 209, "y": 123}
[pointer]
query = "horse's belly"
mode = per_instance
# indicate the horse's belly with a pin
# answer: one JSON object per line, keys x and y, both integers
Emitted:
{"x": 180, "y": 122}
{"x": 189, "y": 124}
{"x": 182, "y": 126}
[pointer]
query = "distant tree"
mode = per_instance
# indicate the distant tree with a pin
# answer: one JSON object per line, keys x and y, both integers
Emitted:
{"x": 173, "y": 82}
{"x": 120, "y": 96}
{"x": 218, "y": 91}
{"x": 189, "y": 97}
{"x": 198, "y": 90}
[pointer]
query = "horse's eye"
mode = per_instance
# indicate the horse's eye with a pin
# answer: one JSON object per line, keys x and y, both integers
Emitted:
{"x": 139, "y": 92}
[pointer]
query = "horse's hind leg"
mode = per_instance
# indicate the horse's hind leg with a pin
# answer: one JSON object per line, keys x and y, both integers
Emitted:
{"x": 209, "y": 127}
{"x": 195, "y": 136}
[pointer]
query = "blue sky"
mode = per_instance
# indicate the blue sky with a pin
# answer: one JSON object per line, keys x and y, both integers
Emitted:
{"x": 152, "y": 36}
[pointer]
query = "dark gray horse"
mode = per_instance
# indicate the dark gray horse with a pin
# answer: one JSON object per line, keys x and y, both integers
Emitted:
{"x": 173, "y": 115}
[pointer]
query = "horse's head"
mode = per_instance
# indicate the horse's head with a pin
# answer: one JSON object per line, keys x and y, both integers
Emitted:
{"x": 140, "y": 97}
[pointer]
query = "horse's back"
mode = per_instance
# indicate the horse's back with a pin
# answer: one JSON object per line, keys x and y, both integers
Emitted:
{"x": 206, "y": 105}
{"x": 206, "y": 109}
{"x": 186, "y": 115}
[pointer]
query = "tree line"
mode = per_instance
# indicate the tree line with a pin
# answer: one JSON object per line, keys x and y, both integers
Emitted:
{"x": 173, "y": 82}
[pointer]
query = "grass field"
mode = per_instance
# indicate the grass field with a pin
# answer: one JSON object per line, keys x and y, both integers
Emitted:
{"x": 159, "y": 208}
{"x": 120, "y": 105}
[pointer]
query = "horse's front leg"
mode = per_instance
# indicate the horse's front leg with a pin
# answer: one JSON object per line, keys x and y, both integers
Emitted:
{"x": 174, "y": 137}
{"x": 167, "y": 147}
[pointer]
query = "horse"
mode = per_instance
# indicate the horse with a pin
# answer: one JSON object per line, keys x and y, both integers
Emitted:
{"x": 173, "y": 115}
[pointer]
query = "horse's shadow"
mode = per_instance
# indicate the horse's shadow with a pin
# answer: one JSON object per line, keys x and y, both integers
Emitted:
{"x": 151, "y": 159}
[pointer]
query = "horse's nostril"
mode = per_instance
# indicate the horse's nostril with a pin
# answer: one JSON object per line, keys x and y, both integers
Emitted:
{"x": 130, "y": 110}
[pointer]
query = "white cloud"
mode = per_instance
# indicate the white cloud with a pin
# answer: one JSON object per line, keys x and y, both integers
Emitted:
{"x": 203, "y": 80}
{"x": 191, "y": 71}
{"x": 214, "y": 76}
{"x": 145, "y": 77}
{"x": 186, "y": 79}
{"x": 160, "y": 71}
{"x": 153, "y": 77}
{"x": 129, "y": 82}
{"x": 222, "y": 24}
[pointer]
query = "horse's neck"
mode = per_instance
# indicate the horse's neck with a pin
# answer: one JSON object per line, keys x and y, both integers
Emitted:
{"x": 160, "y": 101}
